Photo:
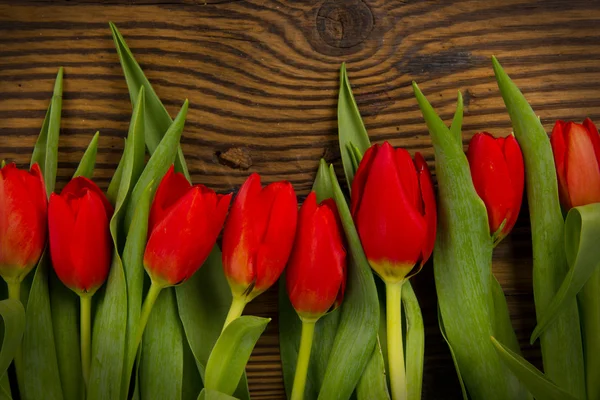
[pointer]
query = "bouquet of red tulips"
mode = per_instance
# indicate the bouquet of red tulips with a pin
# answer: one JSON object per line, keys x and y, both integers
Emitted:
{"x": 127, "y": 295}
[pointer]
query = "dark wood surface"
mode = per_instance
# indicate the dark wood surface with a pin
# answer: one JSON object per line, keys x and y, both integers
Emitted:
{"x": 262, "y": 80}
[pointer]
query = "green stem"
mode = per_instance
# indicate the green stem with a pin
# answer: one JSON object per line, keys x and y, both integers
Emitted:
{"x": 85, "y": 326}
{"x": 394, "y": 340}
{"x": 146, "y": 309}
{"x": 235, "y": 311}
{"x": 306, "y": 339}
{"x": 589, "y": 304}
{"x": 14, "y": 293}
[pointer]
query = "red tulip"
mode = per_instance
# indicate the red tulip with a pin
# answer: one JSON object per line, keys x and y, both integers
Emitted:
{"x": 498, "y": 176}
{"x": 23, "y": 219}
{"x": 80, "y": 242}
{"x": 393, "y": 206}
{"x": 184, "y": 223}
{"x": 576, "y": 150}
{"x": 316, "y": 274}
{"x": 259, "y": 235}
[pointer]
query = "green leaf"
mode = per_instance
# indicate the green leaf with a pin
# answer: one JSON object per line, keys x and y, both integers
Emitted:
{"x": 13, "y": 314}
{"x": 88, "y": 161}
{"x": 373, "y": 383}
{"x": 65, "y": 321}
{"x": 133, "y": 268}
{"x": 538, "y": 385}
{"x": 351, "y": 128}
{"x": 503, "y": 329}
{"x": 45, "y": 152}
{"x": 110, "y": 323}
{"x": 460, "y": 379}
{"x": 40, "y": 363}
{"x": 582, "y": 230}
{"x": 158, "y": 165}
{"x": 230, "y": 355}
{"x": 39, "y": 353}
{"x": 115, "y": 182}
{"x": 462, "y": 268}
{"x": 457, "y": 120}
{"x": 203, "y": 302}
{"x": 157, "y": 117}
{"x": 192, "y": 381}
{"x": 415, "y": 342}
{"x": 5, "y": 393}
{"x": 562, "y": 351}
{"x": 209, "y": 394}
{"x": 359, "y": 314}
{"x": 162, "y": 351}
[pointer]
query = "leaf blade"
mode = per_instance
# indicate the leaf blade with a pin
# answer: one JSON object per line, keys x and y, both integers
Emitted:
{"x": 88, "y": 160}
{"x": 230, "y": 355}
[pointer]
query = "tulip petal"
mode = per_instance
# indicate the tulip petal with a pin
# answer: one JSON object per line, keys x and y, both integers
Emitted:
{"x": 581, "y": 167}
{"x": 408, "y": 178}
{"x": 559, "y": 150}
{"x": 90, "y": 246}
{"x": 172, "y": 187}
{"x": 61, "y": 227}
{"x": 594, "y": 136}
{"x": 429, "y": 206}
{"x": 181, "y": 241}
{"x": 516, "y": 170}
{"x": 37, "y": 190}
{"x": 491, "y": 178}
{"x": 392, "y": 231}
{"x": 360, "y": 178}
{"x": 237, "y": 237}
{"x": 278, "y": 238}
{"x": 77, "y": 187}
{"x": 314, "y": 276}
{"x": 22, "y": 223}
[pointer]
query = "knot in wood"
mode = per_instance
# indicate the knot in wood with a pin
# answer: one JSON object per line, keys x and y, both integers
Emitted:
{"x": 344, "y": 23}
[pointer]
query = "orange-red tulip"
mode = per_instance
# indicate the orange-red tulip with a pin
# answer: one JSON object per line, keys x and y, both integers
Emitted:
{"x": 576, "y": 150}
{"x": 498, "y": 176}
{"x": 393, "y": 206}
{"x": 316, "y": 274}
{"x": 184, "y": 223}
{"x": 259, "y": 235}
{"x": 80, "y": 242}
{"x": 23, "y": 219}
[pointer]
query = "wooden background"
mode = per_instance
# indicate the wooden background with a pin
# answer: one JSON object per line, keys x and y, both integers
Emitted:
{"x": 262, "y": 80}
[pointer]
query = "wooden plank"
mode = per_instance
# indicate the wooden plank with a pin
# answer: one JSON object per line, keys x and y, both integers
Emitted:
{"x": 261, "y": 77}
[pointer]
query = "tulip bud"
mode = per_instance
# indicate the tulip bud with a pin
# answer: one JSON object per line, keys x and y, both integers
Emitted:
{"x": 80, "y": 242}
{"x": 316, "y": 274}
{"x": 393, "y": 206}
{"x": 23, "y": 219}
{"x": 498, "y": 176}
{"x": 258, "y": 236}
{"x": 184, "y": 223}
{"x": 576, "y": 149}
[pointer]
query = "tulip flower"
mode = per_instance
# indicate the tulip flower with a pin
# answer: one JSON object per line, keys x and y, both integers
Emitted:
{"x": 576, "y": 149}
{"x": 80, "y": 243}
{"x": 393, "y": 206}
{"x": 316, "y": 275}
{"x": 184, "y": 223}
{"x": 23, "y": 219}
{"x": 394, "y": 210}
{"x": 183, "y": 226}
{"x": 258, "y": 239}
{"x": 498, "y": 175}
{"x": 81, "y": 247}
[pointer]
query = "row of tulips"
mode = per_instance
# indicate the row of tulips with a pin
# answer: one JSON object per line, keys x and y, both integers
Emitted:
{"x": 335, "y": 343}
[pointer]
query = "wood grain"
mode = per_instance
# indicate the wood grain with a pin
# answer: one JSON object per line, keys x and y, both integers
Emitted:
{"x": 262, "y": 79}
